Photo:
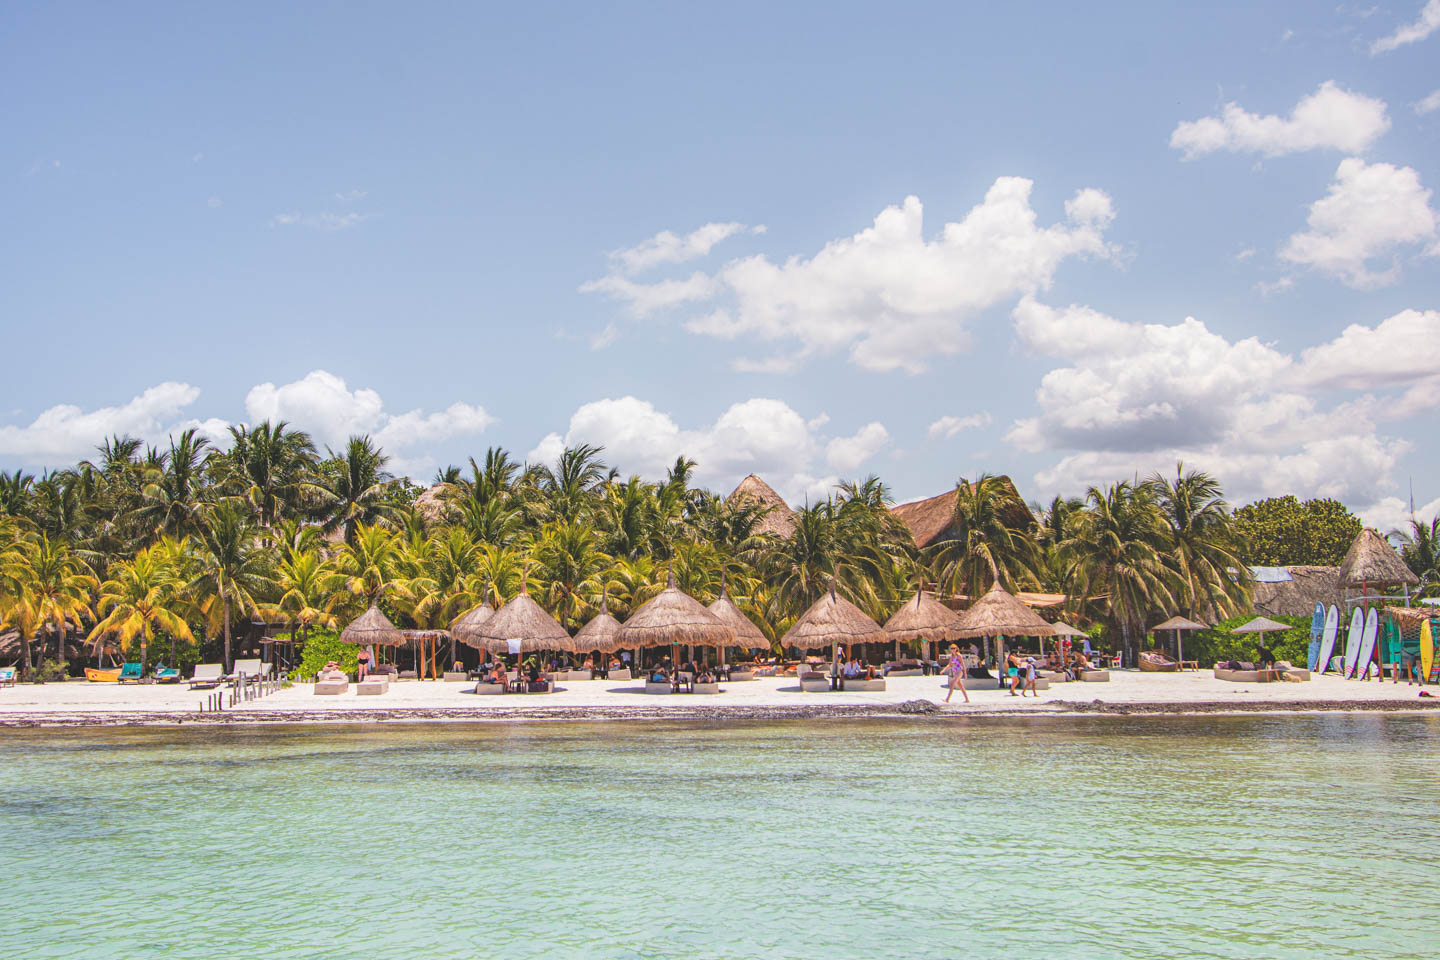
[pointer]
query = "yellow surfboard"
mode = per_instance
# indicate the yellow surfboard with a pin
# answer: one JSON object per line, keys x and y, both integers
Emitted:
{"x": 1427, "y": 650}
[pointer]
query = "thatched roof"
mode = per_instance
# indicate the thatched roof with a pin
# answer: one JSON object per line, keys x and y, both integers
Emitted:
{"x": 372, "y": 627}
{"x": 830, "y": 620}
{"x": 1261, "y": 625}
{"x": 431, "y": 504}
{"x": 923, "y": 617}
{"x": 746, "y": 633}
{"x": 1178, "y": 623}
{"x": 1411, "y": 615}
{"x": 466, "y": 628}
{"x": 1297, "y": 596}
{"x": 673, "y": 616}
{"x": 600, "y": 635}
{"x": 1063, "y": 629}
{"x": 931, "y": 520}
{"x": 998, "y": 614}
{"x": 1371, "y": 559}
{"x": 780, "y": 521}
{"x": 521, "y": 619}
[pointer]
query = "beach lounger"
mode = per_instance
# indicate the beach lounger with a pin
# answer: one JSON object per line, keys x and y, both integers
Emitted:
{"x": 7, "y": 676}
{"x": 1095, "y": 676}
{"x": 737, "y": 676}
{"x": 705, "y": 688}
{"x": 486, "y": 688}
{"x": 653, "y": 687}
{"x": 862, "y": 685}
{"x": 331, "y": 688}
{"x": 132, "y": 673}
{"x": 621, "y": 674}
{"x": 373, "y": 686}
{"x": 251, "y": 668}
{"x": 811, "y": 681}
{"x": 454, "y": 676}
{"x": 207, "y": 676}
{"x": 167, "y": 675}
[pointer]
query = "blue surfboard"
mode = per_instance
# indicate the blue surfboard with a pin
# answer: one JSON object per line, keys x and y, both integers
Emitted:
{"x": 1317, "y": 627}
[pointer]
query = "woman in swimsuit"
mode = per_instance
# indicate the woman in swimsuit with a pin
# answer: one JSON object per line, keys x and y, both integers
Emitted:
{"x": 956, "y": 669}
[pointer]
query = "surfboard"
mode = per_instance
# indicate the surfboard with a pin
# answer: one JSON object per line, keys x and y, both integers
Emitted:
{"x": 1427, "y": 650}
{"x": 1317, "y": 627}
{"x": 1327, "y": 641}
{"x": 1366, "y": 663}
{"x": 1352, "y": 642}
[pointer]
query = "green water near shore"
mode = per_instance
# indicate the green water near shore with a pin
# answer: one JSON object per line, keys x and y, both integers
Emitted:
{"x": 1294, "y": 836}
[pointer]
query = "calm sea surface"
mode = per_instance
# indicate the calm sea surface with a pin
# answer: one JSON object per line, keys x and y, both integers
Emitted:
{"x": 1243, "y": 837}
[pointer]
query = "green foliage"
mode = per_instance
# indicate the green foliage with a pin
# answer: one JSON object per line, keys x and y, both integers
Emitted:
{"x": 322, "y": 647}
{"x": 1218, "y": 643}
{"x": 51, "y": 671}
{"x": 1282, "y": 531}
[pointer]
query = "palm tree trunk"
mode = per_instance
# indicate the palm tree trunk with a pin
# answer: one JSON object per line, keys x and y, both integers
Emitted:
{"x": 227, "y": 636}
{"x": 60, "y": 631}
{"x": 29, "y": 664}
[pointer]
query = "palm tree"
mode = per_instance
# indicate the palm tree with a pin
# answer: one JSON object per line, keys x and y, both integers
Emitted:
{"x": 1202, "y": 544}
{"x": 367, "y": 566}
{"x": 175, "y": 494}
{"x": 986, "y": 544}
{"x": 354, "y": 488}
{"x": 1115, "y": 551}
{"x": 270, "y": 466}
{"x": 441, "y": 572}
{"x": 569, "y": 487}
{"x": 140, "y": 600}
{"x": 15, "y": 493}
{"x": 1421, "y": 550}
{"x": 233, "y": 571}
{"x": 56, "y": 587}
{"x": 569, "y": 566}
{"x": 307, "y": 589}
{"x": 629, "y": 518}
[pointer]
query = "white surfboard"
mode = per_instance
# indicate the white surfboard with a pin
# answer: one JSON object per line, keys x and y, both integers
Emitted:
{"x": 1327, "y": 640}
{"x": 1366, "y": 662}
{"x": 1352, "y": 642}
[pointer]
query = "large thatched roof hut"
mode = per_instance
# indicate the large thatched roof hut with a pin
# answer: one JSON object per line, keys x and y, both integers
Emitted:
{"x": 780, "y": 520}
{"x": 924, "y": 618}
{"x": 998, "y": 614}
{"x": 466, "y": 628}
{"x": 600, "y": 635}
{"x": 523, "y": 620}
{"x": 933, "y": 519}
{"x": 1297, "y": 595}
{"x": 674, "y": 617}
{"x": 833, "y": 620}
{"x": 373, "y": 627}
{"x": 747, "y": 634}
{"x": 1371, "y": 559}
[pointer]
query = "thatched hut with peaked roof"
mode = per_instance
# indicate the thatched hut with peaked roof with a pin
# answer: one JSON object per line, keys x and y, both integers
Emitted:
{"x": 600, "y": 635}
{"x": 933, "y": 519}
{"x": 432, "y": 504}
{"x": 830, "y": 621}
{"x": 747, "y": 634}
{"x": 999, "y": 614}
{"x": 923, "y": 618}
{"x": 672, "y": 616}
{"x": 373, "y": 627}
{"x": 466, "y": 628}
{"x": 780, "y": 520}
{"x": 1297, "y": 596}
{"x": 523, "y": 620}
{"x": 1371, "y": 559}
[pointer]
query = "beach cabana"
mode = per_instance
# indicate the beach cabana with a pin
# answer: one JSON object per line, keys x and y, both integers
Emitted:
{"x": 371, "y": 629}
{"x": 672, "y": 618}
{"x": 521, "y": 626}
{"x": 999, "y": 615}
{"x": 831, "y": 621}
{"x": 924, "y": 618}
{"x": 1178, "y": 623}
{"x": 600, "y": 635}
{"x": 747, "y": 634}
{"x": 466, "y": 627}
{"x": 1262, "y": 626}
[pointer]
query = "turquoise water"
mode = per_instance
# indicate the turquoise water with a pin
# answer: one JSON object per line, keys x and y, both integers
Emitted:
{"x": 1295, "y": 836}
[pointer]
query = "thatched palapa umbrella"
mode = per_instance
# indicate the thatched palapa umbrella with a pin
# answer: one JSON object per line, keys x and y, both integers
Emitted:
{"x": 370, "y": 628}
{"x": 1178, "y": 623}
{"x": 831, "y": 621}
{"x": 1371, "y": 559}
{"x": 521, "y": 626}
{"x": 1000, "y": 615}
{"x": 601, "y": 634}
{"x": 924, "y": 618}
{"x": 747, "y": 635}
{"x": 467, "y": 627}
{"x": 673, "y": 617}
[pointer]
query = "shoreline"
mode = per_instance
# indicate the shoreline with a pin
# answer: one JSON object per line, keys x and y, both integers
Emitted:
{"x": 912, "y": 710}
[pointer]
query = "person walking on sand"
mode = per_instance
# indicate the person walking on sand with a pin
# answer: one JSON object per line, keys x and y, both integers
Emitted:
{"x": 1030, "y": 678}
{"x": 956, "y": 669}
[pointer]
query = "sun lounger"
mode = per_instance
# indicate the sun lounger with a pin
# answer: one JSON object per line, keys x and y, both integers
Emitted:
{"x": 332, "y": 686}
{"x": 167, "y": 675}
{"x": 486, "y": 688}
{"x": 863, "y": 686}
{"x": 812, "y": 681}
{"x": 1095, "y": 676}
{"x": 704, "y": 688}
{"x": 904, "y": 668}
{"x": 454, "y": 676}
{"x": 623, "y": 673}
{"x": 578, "y": 675}
{"x": 739, "y": 675}
{"x": 132, "y": 673}
{"x": 373, "y": 686}
{"x": 652, "y": 687}
{"x": 7, "y": 676}
{"x": 207, "y": 676}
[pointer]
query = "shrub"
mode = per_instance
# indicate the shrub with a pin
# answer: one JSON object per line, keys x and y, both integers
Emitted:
{"x": 321, "y": 647}
{"x": 1218, "y": 643}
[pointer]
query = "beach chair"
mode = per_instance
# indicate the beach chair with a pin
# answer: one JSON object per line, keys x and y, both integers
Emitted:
{"x": 811, "y": 680}
{"x": 251, "y": 668}
{"x": 164, "y": 674}
{"x": 207, "y": 676}
{"x": 132, "y": 672}
{"x": 7, "y": 676}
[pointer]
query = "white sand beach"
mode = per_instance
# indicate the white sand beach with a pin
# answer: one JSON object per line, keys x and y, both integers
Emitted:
{"x": 601, "y": 699}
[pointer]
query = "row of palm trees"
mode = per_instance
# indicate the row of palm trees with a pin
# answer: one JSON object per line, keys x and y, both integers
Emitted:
{"x": 141, "y": 544}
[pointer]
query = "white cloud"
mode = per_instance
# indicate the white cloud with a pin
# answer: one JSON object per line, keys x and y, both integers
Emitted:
{"x": 775, "y": 363}
{"x": 644, "y": 299}
{"x": 65, "y": 433}
{"x": 605, "y": 337}
{"x": 1269, "y": 288}
{"x": 319, "y": 221}
{"x": 1392, "y": 513}
{"x": 1428, "y": 104}
{"x": 760, "y": 435}
{"x": 1136, "y": 397}
{"x": 949, "y": 426}
{"x": 1370, "y": 210}
{"x": 1402, "y": 351}
{"x": 350, "y": 196}
{"x": 1329, "y": 118}
{"x": 847, "y": 454}
{"x": 896, "y": 299}
{"x": 1428, "y": 23}
{"x": 330, "y": 411}
{"x": 669, "y": 247}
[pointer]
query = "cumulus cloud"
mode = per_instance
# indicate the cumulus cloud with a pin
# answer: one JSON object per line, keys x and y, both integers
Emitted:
{"x": 949, "y": 426}
{"x": 1402, "y": 351}
{"x": 759, "y": 435}
{"x": 1428, "y": 104}
{"x": 1131, "y": 396}
{"x": 1369, "y": 212}
{"x": 1330, "y": 118}
{"x": 893, "y": 297}
{"x": 644, "y": 299}
{"x": 66, "y": 432}
{"x": 322, "y": 403}
{"x": 847, "y": 454}
{"x": 1428, "y": 23}
{"x": 669, "y": 247}
{"x": 1392, "y": 513}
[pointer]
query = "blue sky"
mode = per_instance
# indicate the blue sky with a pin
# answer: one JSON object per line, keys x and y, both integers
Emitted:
{"x": 810, "y": 241}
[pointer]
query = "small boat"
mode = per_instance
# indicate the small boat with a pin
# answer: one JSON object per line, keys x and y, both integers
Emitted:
{"x": 1153, "y": 661}
{"x": 97, "y": 675}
